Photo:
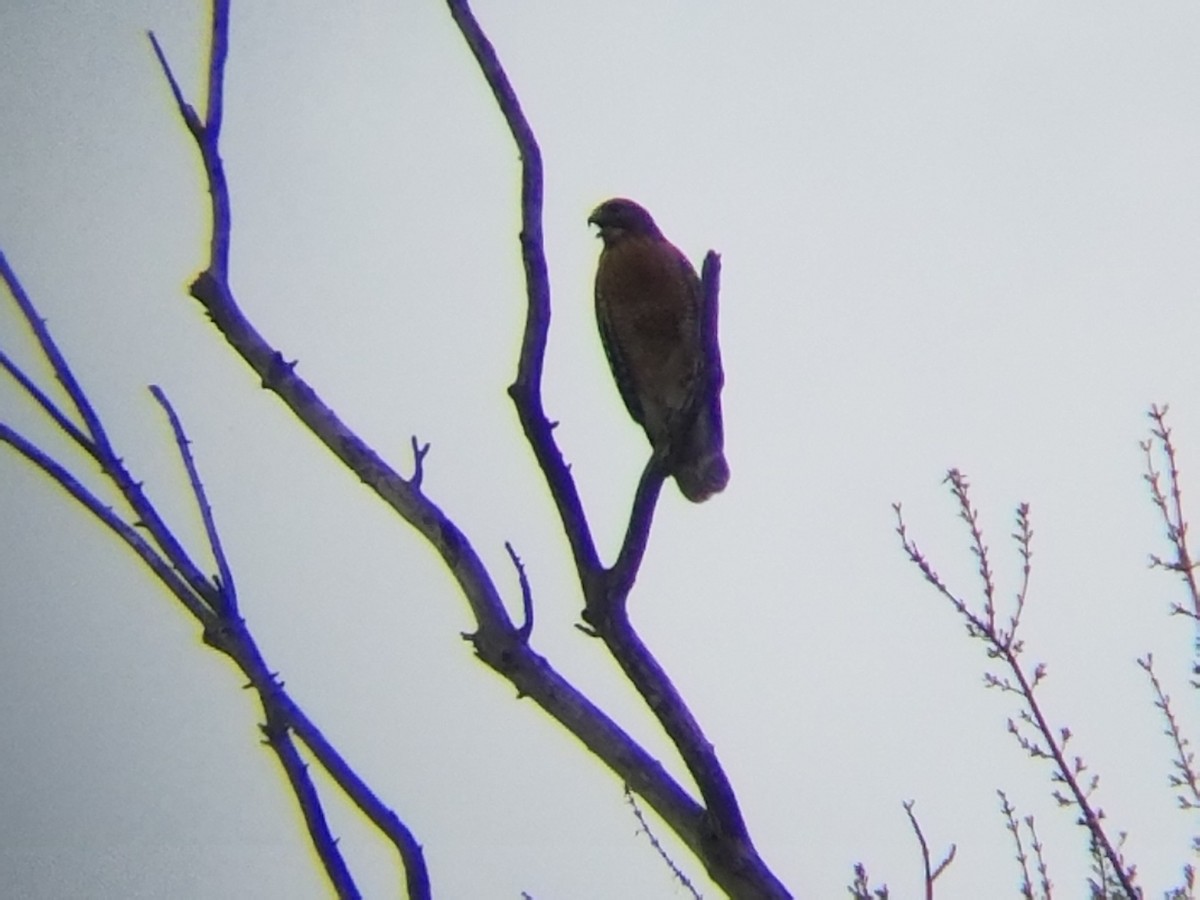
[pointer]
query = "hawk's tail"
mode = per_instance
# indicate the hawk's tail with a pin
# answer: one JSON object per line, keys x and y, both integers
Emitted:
{"x": 700, "y": 468}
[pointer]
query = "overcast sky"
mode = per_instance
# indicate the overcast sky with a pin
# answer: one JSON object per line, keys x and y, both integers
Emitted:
{"x": 954, "y": 234}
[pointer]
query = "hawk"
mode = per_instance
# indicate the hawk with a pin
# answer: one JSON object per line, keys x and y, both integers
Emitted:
{"x": 660, "y": 346}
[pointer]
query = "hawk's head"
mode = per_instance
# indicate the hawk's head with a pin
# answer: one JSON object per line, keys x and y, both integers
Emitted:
{"x": 619, "y": 217}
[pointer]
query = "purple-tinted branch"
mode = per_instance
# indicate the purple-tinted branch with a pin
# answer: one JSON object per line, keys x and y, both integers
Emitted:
{"x": 58, "y": 362}
{"x": 1014, "y": 828}
{"x": 186, "y": 111}
{"x": 605, "y": 590}
{"x": 275, "y": 731}
{"x": 218, "y": 51}
{"x": 98, "y": 445}
{"x": 526, "y": 627}
{"x": 381, "y": 816}
{"x": 225, "y": 586}
{"x": 526, "y": 390}
{"x": 916, "y": 827}
{"x": 496, "y": 641}
{"x": 644, "y": 828}
{"x": 69, "y": 428}
{"x": 164, "y": 570}
{"x": 618, "y": 580}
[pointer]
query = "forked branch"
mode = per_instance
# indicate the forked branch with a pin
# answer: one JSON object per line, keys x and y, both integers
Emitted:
{"x": 211, "y": 602}
{"x": 1032, "y": 729}
{"x": 497, "y": 641}
{"x": 727, "y": 851}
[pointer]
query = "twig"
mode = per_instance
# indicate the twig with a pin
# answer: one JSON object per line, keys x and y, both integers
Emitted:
{"x": 165, "y": 572}
{"x": 57, "y": 361}
{"x": 526, "y": 595}
{"x": 225, "y": 586}
{"x": 1024, "y": 540}
{"x": 275, "y": 732}
{"x": 860, "y": 888}
{"x": 931, "y": 874}
{"x": 207, "y": 134}
{"x": 1170, "y": 506}
{"x": 618, "y": 581}
{"x": 1038, "y": 852}
{"x": 644, "y": 828}
{"x": 49, "y": 406}
{"x": 419, "y": 452}
{"x": 526, "y": 390}
{"x": 1014, "y": 828}
{"x": 1185, "y": 759}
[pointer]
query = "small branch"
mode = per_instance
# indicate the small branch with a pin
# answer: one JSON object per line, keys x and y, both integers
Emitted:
{"x": 1184, "y": 761}
{"x": 975, "y": 625}
{"x": 49, "y": 406}
{"x": 860, "y": 888}
{"x": 58, "y": 362}
{"x": 182, "y": 589}
{"x": 1014, "y": 828}
{"x": 382, "y": 817}
{"x": 419, "y": 452}
{"x": 227, "y": 634}
{"x": 98, "y": 445}
{"x": 207, "y": 134}
{"x": 621, "y": 576}
{"x": 526, "y": 390}
{"x": 908, "y": 808}
{"x": 526, "y": 627}
{"x": 1024, "y": 538}
{"x": 960, "y": 487}
{"x": 213, "y": 165}
{"x": 537, "y": 282}
{"x": 1043, "y": 872}
{"x": 710, "y": 286}
{"x": 225, "y": 586}
{"x": 186, "y": 111}
{"x": 931, "y": 874}
{"x": 218, "y": 51}
{"x": 729, "y": 837}
{"x": 644, "y": 828}
{"x": 275, "y": 731}
{"x": 1169, "y": 502}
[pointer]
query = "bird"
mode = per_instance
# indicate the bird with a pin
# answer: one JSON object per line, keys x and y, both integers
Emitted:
{"x": 663, "y": 353}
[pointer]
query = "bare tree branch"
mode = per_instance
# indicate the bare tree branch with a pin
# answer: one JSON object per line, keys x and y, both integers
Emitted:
{"x": 728, "y": 853}
{"x": 931, "y": 873}
{"x": 1005, "y": 646}
{"x": 214, "y": 607}
{"x": 496, "y": 641}
{"x": 69, "y": 428}
{"x": 226, "y": 589}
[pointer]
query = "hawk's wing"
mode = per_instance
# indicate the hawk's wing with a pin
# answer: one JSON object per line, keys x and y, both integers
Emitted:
{"x": 648, "y": 311}
{"x": 614, "y": 351}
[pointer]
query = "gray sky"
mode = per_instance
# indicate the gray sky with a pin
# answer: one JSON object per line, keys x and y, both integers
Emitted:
{"x": 954, "y": 234}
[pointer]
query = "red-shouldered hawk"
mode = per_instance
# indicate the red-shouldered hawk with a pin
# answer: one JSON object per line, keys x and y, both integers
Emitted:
{"x": 649, "y": 305}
